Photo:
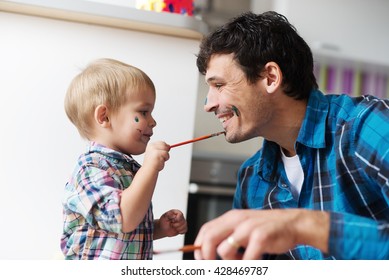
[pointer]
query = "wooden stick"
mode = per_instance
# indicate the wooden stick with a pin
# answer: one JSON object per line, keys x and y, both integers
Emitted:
{"x": 185, "y": 249}
{"x": 197, "y": 139}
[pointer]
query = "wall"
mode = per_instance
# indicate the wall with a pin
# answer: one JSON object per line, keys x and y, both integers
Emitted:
{"x": 348, "y": 42}
{"x": 39, "y": 57}
{"x": 354, "y": 29}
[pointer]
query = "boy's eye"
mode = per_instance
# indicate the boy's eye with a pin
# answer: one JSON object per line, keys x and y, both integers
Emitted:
{"x": 144, "y": 113}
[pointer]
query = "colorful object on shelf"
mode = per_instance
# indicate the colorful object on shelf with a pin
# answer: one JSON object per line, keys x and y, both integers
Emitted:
{"x": 150, "y": 5}
{"x": 331, "y": 79}
{"x": 347, "y": 81}
{"x": 354, "y": 81}
{"x": 184, "y": 7}
{"x": 357, "y": 85}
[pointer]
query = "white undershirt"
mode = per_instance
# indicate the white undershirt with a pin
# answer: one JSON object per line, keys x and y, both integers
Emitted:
{"x": 295, "y": 173}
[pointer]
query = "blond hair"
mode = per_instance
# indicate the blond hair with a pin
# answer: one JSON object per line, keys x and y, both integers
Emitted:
{"x": 103, "y": 82}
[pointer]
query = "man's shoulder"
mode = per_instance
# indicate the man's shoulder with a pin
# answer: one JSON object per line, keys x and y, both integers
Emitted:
{"x": 351, "y": 107}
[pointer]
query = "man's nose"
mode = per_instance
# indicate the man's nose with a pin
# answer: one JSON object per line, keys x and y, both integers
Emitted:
{"x": 211, "y": 102}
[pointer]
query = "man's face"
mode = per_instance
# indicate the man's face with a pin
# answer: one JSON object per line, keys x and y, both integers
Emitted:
{"x": 241, "y": 107}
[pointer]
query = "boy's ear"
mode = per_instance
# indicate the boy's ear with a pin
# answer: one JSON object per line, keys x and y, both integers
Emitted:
{"x": 101, "y": 116}
{"x": 273, "y": 76}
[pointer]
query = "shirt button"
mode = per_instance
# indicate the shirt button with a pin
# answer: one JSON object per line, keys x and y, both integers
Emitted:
{"x": 284, "y": 186}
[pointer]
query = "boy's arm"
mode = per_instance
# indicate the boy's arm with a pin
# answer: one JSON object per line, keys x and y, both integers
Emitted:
{"x": 136, "y": 199}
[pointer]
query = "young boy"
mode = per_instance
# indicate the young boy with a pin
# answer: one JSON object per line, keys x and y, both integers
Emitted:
{"x": 107, "y": 203}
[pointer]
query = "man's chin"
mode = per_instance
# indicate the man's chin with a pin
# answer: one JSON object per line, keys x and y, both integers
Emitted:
{"x": 232, "y": 139}
{"x": 236, "y": 138}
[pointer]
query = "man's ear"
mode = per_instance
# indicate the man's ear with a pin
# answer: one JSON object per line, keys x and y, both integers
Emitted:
{"x": 101, "y": 116}
{"x": 273, "y": 76}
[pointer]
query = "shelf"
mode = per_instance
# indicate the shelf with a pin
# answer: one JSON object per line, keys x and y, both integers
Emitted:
{"x": 110, "y": 15}
{"x": 341, "y": 59}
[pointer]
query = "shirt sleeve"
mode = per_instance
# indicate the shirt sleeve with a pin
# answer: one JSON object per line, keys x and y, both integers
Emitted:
{"x": 371, "y": 143}
{"x": 355, "y": 237}
{"x": 95, "y": 195}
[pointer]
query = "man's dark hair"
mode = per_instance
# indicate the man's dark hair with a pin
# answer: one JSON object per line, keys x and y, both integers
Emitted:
{"x": 256, "y": 39}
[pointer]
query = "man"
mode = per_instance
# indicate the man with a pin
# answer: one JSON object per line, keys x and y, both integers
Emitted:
{"x": 319, "y": 187}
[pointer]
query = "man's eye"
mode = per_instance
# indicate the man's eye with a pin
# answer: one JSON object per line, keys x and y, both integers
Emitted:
{"x": 218, "y": 86}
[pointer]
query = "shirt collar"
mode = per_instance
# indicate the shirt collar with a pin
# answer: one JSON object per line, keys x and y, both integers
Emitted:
{"x": 312, "y": 131}
{"x": 96, "y": 147}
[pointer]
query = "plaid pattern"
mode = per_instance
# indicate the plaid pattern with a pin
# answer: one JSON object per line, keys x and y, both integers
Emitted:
{"x": 343, "y": 146}
{"x": 92, "y": 220}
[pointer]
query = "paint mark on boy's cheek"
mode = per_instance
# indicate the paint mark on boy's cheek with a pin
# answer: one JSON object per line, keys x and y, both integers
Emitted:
{"x": 136, "y": 119}
{"x": 235, "y": 110}
{"x": 206, "y": 100}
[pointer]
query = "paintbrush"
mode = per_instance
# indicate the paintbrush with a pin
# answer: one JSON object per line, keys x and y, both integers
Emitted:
{"x": 197, "y": 139}
{"x": 185, "y": 249}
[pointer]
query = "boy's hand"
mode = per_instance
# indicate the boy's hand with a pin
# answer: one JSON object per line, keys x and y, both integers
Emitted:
{"x": 173, "y": 223}
{"x": 156, "y": 154}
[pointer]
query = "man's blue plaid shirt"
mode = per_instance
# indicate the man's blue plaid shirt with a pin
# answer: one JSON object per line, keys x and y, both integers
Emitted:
{"x": 343, "y": 146}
